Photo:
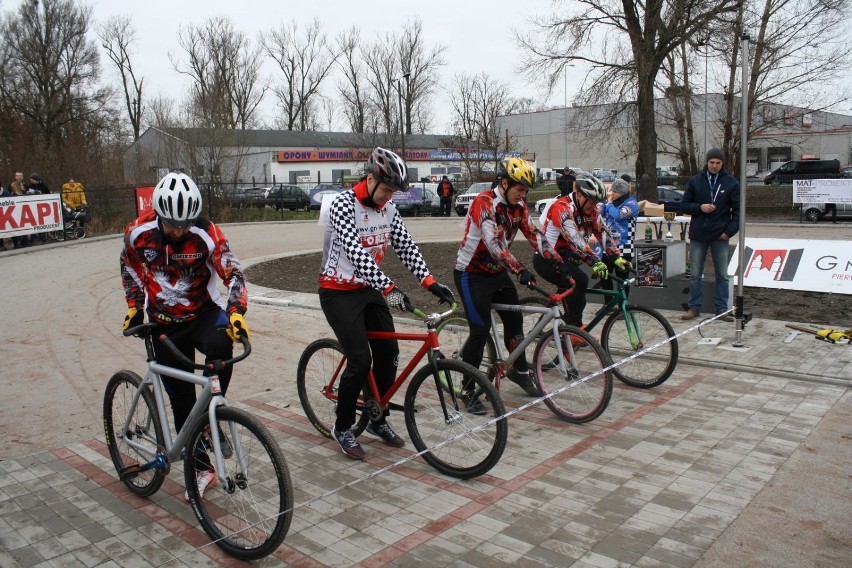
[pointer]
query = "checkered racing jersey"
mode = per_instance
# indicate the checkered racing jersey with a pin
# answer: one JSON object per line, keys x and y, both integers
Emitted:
{"x": 356, "y": 240}
{"x": 620, "y": 218}
{"x": 176, "y": 281}
{"x": 568, "y": 231}
{"x": 489, "y": 229}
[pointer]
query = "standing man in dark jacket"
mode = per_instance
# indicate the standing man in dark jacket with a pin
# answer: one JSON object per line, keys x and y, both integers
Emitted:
{"x": 446, "y": 191}
{"x": 566, "y": 182}
{"x": 712, "y": 198}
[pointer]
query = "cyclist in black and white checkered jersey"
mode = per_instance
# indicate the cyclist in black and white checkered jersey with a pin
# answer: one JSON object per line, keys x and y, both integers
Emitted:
{"x": 355, "y": 294}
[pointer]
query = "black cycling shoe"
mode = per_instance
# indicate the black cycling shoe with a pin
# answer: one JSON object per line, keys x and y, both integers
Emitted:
{"x": 473, "y": 404}
{"x": 385, "y": 431}
{"x": 525, "y": 381}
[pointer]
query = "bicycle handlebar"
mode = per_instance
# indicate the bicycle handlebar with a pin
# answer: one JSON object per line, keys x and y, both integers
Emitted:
{"x": 556, "y": 297}
{"x": 436, "y": 316}
{"x": 146, "y": 329}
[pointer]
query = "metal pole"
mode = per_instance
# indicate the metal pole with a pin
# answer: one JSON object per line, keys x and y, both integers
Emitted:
{"x": 740, "y": 316}
{"x": 706, "y": 51}
{"x": 401, "y": 118}
{"x": 565, "y": 118}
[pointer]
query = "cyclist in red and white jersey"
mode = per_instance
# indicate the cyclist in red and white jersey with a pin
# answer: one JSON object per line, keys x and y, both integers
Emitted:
{"x": 169, "y": 266}
{"x": 484, "y": 262}
{"x": 568, "y": 225}
{"x": 355, "y": 294}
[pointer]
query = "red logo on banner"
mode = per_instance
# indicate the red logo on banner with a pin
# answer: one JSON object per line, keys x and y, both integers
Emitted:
{"x": 782, "y": 262}
{"x": 144, "y": 200}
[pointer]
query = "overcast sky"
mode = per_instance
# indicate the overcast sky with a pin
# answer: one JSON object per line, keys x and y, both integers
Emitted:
{"x": 478, "y": 35}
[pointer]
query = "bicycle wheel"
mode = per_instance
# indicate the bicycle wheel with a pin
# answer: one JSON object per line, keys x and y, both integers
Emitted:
{"x": 79, "y": 232}
{"x": 317, "y": 377}
{"x": 585, "y": 398}
{"x": 453, "y": 332}
{"x": 144, "y": 429}
{"x": 249, "y": 514}
{"x": 648, "y": 327}
{"x": 474, "y": 453}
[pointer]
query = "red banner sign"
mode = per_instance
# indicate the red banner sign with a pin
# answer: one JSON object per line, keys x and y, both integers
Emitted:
{"x": 29, "y": 214}
{"x": 144, "y": 200}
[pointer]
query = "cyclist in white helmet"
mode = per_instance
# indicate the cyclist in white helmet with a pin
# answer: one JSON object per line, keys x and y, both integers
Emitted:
{"x": 169, "y": 265}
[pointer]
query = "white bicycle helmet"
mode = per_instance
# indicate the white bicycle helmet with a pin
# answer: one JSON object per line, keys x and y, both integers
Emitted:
{"x": 177, "y": 200}
{"x": 591, "y": 187}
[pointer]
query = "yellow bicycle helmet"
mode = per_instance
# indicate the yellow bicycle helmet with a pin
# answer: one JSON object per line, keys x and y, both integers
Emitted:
{"x": 517, "y": 170}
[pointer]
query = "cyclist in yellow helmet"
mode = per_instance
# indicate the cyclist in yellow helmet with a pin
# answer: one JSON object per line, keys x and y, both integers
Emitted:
{"x": 484, "y": 262}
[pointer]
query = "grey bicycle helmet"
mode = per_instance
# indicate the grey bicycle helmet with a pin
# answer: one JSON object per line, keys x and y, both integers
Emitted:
{"x": 591, "y": 187}
{"x": 177, "y": 200}
{"x": 389, "y": 168}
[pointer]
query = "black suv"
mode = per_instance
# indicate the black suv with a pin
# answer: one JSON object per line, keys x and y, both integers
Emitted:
{"x": 286, "y": 196}
{"x": 803, "y": 169}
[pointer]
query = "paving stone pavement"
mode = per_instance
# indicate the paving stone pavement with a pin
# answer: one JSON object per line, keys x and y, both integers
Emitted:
{"x": 740, "y": 458}
{"x": 655, "y": 481}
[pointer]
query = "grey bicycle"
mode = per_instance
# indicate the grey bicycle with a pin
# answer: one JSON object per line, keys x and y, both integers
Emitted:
{"x": 565, "y": 361}
{"x": 247, "y": 508}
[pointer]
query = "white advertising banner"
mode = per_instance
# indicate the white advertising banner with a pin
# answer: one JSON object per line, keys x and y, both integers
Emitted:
{"x": 29, "y": 214}
{"x": 822, "y": 190}
{"x": 816, "y": 266}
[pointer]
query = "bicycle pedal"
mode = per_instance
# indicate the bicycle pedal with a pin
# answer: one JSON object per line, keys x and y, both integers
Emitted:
{"x": 129, "y": 472}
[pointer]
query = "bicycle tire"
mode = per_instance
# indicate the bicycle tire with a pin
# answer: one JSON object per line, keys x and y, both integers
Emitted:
{"x": 248, "y": 515}
{"x": 649, "y": 369}
{"x": 118, "y": 397}
{"x": 586, "y": 398}
{"x": 321, "y": 361}
{"x": 474, "y": 453}
{"x": 453, "y": 332}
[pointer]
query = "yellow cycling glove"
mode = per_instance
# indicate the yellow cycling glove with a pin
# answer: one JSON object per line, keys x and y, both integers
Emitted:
{"x": 600, "y": 270}
{"x": 622, "y": 264}
{"x": 134, "y": 317}
{"x": 238, "y": 327}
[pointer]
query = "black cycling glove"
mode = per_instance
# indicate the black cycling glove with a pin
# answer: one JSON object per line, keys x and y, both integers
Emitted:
{"x": 443, "y": 293}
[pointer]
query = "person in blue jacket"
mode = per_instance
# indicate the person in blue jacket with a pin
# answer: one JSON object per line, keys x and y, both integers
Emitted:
{"x": 712, "y": 198}
{"x": 619, "y": 215}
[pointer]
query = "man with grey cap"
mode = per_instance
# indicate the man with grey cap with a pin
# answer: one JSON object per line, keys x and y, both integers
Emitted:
{"x": 712, "y": 198}
{"x": 619, "y": 215}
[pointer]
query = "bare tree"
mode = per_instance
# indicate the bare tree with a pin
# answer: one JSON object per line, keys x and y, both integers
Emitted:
{"x": 799, "y": 47}
{"x": 117, "y": 37}
{"x": 420, "y": 63}
{"x": 305, "y": 61}
{"x": 353, "y": 88}
{"x": 50, "y": 69}
{"x": 625, "y": 43}
{"x": 477, "y": 101}
{"x": 383, "y": 71}
{"x": 224, "y": 68}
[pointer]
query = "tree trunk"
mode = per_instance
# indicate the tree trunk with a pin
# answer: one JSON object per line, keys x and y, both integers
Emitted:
{"x": 646, "y": 156}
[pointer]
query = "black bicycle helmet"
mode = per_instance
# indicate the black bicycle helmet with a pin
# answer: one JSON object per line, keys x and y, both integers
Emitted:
{"x": 388, "y": 168}
{"x": 591, "y": 187}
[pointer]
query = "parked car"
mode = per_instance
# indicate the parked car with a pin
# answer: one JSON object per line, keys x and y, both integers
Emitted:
{"x": 606, "y": 175}
{"x": 803, "y": 169}
{"x": 669, "y": 194}
{"x": 415, "y": 200}
{"x": 252, "y": 197}
{"x": 811, "y": 211}
{"x": 288, "y": 196}
{"x": 464, "y": 198}
{"x": 846, "y": 172}
{"x": 667, "y": 177}
{"x": 320, "y": 191}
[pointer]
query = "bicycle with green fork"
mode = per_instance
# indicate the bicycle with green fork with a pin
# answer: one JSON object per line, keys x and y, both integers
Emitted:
{"x": 628, "y": 330}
